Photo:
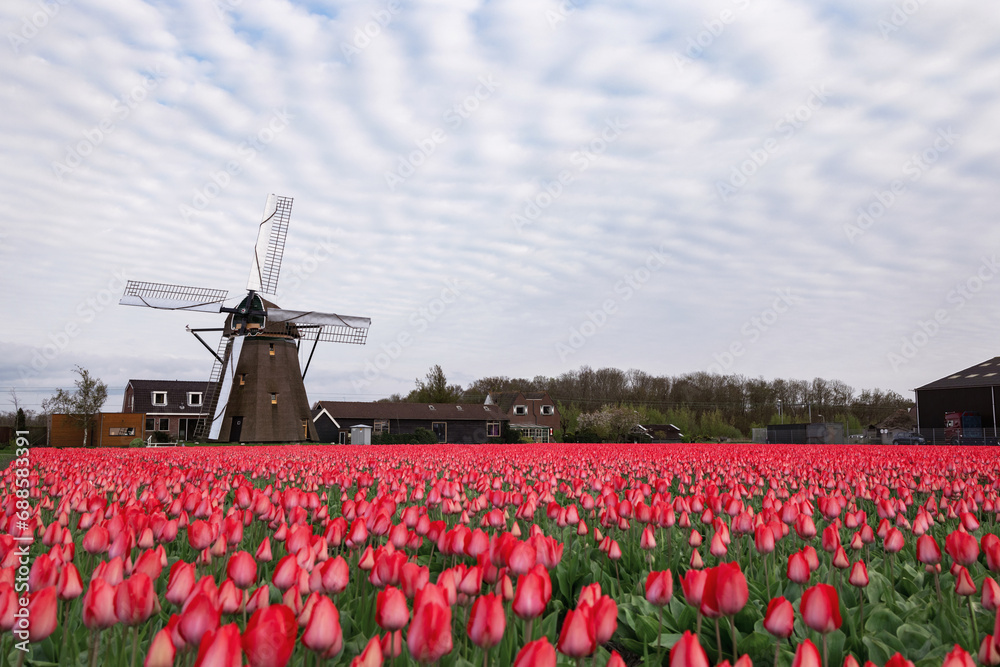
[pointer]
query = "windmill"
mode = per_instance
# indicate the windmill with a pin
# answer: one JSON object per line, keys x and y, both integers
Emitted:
{"x": 255, "y": 392}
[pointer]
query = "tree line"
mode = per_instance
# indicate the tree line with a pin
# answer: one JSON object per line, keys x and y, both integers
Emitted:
{"x": 706, "y": 404}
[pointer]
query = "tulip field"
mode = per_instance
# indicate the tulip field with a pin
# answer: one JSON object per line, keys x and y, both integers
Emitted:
{"x": 681, "y": 555}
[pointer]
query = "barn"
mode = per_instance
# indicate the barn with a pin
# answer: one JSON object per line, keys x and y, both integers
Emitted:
{"x": 450, "y": 422}
{"x": 971, "y": 392}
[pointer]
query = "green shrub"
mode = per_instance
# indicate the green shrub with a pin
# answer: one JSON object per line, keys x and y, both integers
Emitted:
{"x": 137, "y": 442}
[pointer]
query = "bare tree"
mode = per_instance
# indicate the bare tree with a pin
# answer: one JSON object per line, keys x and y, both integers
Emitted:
{"x": 83, "y": 404}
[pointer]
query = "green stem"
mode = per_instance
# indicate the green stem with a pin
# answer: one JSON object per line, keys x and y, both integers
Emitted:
{"x": 732, "y": 629}
{"x": 718, "y": 641}
{"x": 135, "y": 643}
{"x": 975, "y": 630}
{"x": 825, "y": 661}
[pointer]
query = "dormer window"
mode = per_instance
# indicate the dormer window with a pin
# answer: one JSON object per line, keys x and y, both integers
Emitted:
{"x": 548, "y": 410}
{"x": 159, "y": 398}
{"x": 520, "y": 409}
{"x": 194, "y": 398}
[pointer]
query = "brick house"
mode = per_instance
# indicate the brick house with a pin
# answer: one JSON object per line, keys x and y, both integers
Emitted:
{"x": 451, "y": 422}
{"x": 533, "y": 414}
{"x": 170, "y": 406}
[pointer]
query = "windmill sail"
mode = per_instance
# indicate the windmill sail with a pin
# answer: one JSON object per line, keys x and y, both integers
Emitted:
{"x": 330, "y": 327}
{"x": 266, "y": 263}
{"x": 173, "y": 297}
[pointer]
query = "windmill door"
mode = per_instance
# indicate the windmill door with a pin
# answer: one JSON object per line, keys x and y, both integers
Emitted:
{"x": 236, "y": 429}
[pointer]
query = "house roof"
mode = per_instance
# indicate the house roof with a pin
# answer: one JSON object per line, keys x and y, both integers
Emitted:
{"x": 505, "y": 400}
{"x": 416, "y": 411}
{"x": 177, "y": 391}
{"x": 983, "y": 374}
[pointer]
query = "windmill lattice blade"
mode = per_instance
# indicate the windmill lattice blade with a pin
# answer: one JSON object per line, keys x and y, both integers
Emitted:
{"x": 173, "y": 297}
{"x": 328, "y": 327}
{"x": 270, "y": 247}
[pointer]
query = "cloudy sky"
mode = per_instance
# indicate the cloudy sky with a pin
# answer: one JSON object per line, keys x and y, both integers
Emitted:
{"x": 774, "y": 188}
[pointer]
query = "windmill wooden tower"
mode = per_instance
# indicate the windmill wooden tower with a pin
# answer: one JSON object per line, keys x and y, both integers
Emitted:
{"x": 255, "y": 392}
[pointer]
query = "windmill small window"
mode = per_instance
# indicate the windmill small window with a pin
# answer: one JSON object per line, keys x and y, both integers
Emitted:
{"x": 274, "y": 398}
{"x": 270, "y": 349}
{"x": 243, "y": 379}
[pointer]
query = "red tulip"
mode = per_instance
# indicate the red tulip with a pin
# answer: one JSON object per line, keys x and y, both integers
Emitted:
{"x": 604, "y": 616}
{"x": 99, "y": 605}
{"x": 958, "y": 657}
{"x": 286, "y": 573}
{"x": 391, "y": 611}
{"x": 42, "y": 610}
{"x": 615, "y": 660}
{"x": 242, "y": 569}
{"x": 180, "y": 582}
{"x": 161, "y": 652}
{"x": 8, "y": 606}
{"x": 69, "y": 586}
{"x": 928, "y": 551}
{"x": 989, "y": 651}
{"x": 220, "y": 648}
{"x": 412, "y": 578}
{"x": 532, "y": 593}
{"x": 577, "y": 638}
{"x": 687, "y": 652}
{"x": 660, "y": 587}
{"x": 199, "y": 535}
{"x": 898, "y": 661}
{"x": 135, "y": 599}
{"x": 798, "y": 568}
{"x": 693, "y": 586}
{"x": 780, "y": 618}
{"x": 429, "y": 634}
{"x": 539, "y": 653}
{"x": 963, "y": 582}
{"x": 96, "y": 540}
{"x": 859, "y": 574}
{"x": 962, "y": 547}
{"x": 807, "y": 655}
{"x": 323, "y": 633}
{"x": 730, "y": 589}
{"x": 763, "y": 538}
{"x": 372, "y": 655}
{"x": 487, "y": 621}
{"x": 894, "y": 541}
{"x": 199, "y": 616}
{"x": 991, "y": 594}
{"x": 820, "y": 608}
{"x": 263, "y": 553}
{"x": 269, "y": 638}
{"x": 991, "y": 549}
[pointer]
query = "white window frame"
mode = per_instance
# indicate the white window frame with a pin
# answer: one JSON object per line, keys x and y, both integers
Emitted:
{"x": 520, "y": 410}
{"x": 191, "y": 395}
{"x": 159, "y": 393}
{"x": 493, "y": 426}
{"x": 548, "y": 410}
